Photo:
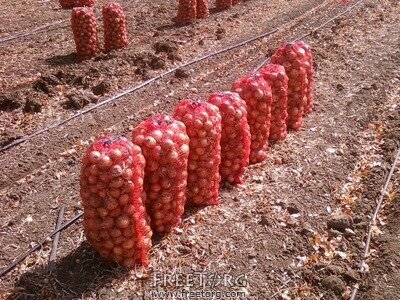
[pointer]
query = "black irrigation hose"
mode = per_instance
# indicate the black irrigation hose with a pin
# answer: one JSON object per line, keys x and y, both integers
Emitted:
{"x": 37, "y": 30}
{"x": 79, "y": 215}
{"x": 39, "y": 244}
{"x": 134, "y": 89}
{"x": 316, "y": 29}
{"x": 373, "y": 219}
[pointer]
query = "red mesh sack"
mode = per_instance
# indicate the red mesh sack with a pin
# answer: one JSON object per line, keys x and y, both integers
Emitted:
{"x": 111, "y": 187}
{"x": 308, "y": 66}
{"x": 223, "y": 4}
{"x": 276, "y": 77}
{"x": 235, "y": 136}
{"x": 115, "y": 33}
{"x": 234, "y": 2}
{"x": 165, "y": 146}
{"x": 83, "y": 24}
{"x": 202, "y": 10}
{"x": 186, "y": 11}
{"x": 75, "y": 3}
{"x": 292, "y": 58}
{"x": 203, "y": 125}
{"x": 253, "y": 89}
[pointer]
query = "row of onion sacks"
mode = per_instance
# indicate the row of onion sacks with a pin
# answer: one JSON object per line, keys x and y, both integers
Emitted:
{"x": 111, "y": 187}
{"x": 186, "y": 156}
{"x": 84, "y": 28}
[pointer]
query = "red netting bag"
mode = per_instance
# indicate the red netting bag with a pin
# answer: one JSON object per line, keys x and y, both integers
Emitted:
{"x": 83, "y": 24}
{"x": 202, "y": 10}
{"x": 253, "y": 89}
{"x": 186, "y": 11}
{"x": 111, "y": 186}
{"x": 115, "y": 32}
{"x": 203, "y": 126}
{"x": 292, "y": 58}
{"x": 75, "y": 3}
{"x": 308, "y": 65}
{"x": 234, "y": 2}
{"x": 235, "y": 136}
{"x": 223, "y": 4}
{"x": 276, "y": 77}
{"x": 165, "y": 146}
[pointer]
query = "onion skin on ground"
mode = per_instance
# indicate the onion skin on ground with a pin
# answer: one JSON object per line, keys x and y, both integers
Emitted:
{"x": 223, "y": 4}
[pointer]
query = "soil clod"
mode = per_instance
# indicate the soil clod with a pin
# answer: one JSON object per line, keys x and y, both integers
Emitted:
{"x": 101, "y": 89}
{"x": 181, "y": 73}
{"x": 76, "y": 100}
{"x": 340, "y": 222}
{"x": 8, "y": 136}
{"x": 34, "y": 103}
{"x": 334, "y": 283}
{"x": 11, "y": 101}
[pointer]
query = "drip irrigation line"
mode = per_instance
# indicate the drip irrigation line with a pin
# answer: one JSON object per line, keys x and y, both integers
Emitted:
{"x": 39, "y": 244}
{"x": 134, "y": 89}
{"x": 315, "y": 29}
{"x": 53, "y": 253}
{"x": 37, "y": 30}
{"x": 373, "y": 220}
